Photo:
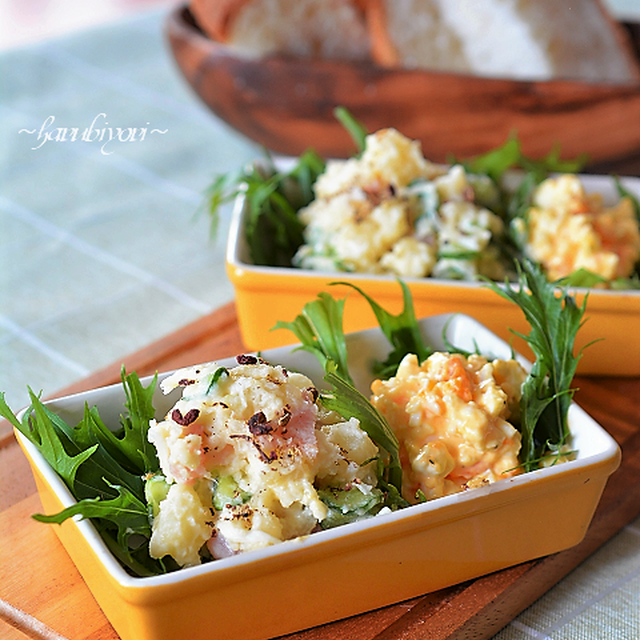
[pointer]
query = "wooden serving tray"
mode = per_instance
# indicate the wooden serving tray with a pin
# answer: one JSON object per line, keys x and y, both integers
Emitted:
{"x": 37, "y": 576}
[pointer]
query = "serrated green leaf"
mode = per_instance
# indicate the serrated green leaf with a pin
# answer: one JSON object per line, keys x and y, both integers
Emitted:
{"x": 584, "y": 278}
{"x": 125, "y": 511}
{"x": 401, "y": 330}
{"x": 94, "y": 464}
{"x": 134, "y": 444}
{"x": 554, "y": 319}
{"x": 320, "y": 332}
{"x": 497, "y": 161}
{"x": 42, "y": 428}
{"x": 348, "y": 402}
{"x": 104, "y": 470}
{"x": 272, "y": 229}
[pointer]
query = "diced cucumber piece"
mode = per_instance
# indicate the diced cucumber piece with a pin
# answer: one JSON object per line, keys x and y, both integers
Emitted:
{"x": 226, "y": 491}
{"x": 156, "y": 489}
{"x": 347, "y": 505}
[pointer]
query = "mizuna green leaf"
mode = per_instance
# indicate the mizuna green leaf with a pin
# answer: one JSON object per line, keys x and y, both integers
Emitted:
{"x": 106, "y": 467}
{"x": 272, "y": 230}
{"x": 103, "y": 470}
{"x": 43, "y": 429}
{"x": 320, "y": 331}
{"x": 496, "y": 162}
{"x": 402, "y": 331}
{"x": 347, "y": 401}
{"x": 128, "y": 513}
{"x": 554, "y": 318}
{"x": 135, "y": 423}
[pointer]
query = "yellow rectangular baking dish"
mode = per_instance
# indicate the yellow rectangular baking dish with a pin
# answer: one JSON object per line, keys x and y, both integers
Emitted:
{"x": 353, "y": 568}
{"x": 265, "y": 295}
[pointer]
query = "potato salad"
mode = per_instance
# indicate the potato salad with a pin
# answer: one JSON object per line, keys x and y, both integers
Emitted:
{"x": 249, "y": 458}
{"x": 391, "y": 211}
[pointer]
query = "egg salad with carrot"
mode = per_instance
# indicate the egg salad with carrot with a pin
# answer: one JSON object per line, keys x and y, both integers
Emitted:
{"x": 454, "y": 419}
{"x": 569, "y": 229}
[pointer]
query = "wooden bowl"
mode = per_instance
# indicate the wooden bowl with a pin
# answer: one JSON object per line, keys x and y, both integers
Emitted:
{"x": 286, "y": 104}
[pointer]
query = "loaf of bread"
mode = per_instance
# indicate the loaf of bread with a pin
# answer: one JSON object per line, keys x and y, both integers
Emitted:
{"x": 329, "y": 29}
{"x": 516, "y": 39}
{"x": 522, "y": 39}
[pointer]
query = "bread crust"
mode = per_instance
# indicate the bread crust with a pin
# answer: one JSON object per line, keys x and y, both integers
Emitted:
{"x": 215, "y": 17}
{"x": 623, "y": 39}
{"x": 383, "y": 51}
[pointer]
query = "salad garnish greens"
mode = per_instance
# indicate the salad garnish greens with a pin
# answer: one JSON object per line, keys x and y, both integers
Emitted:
{"x": 554, "y": 320}
{"x": 497, "y": 162}
{"x": 401, "y": 330}
{"x": 319, "y": 330}
{"x": 104, "y": 470}
{"x": 273, "y": 231}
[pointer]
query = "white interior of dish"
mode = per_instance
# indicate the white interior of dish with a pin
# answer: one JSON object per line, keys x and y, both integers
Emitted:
{"x": 237, "y": 253}
{"x": 592, "y": 442}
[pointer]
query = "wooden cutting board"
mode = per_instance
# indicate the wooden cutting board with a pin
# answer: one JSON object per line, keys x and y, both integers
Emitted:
{"x": 37, "y": 576}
